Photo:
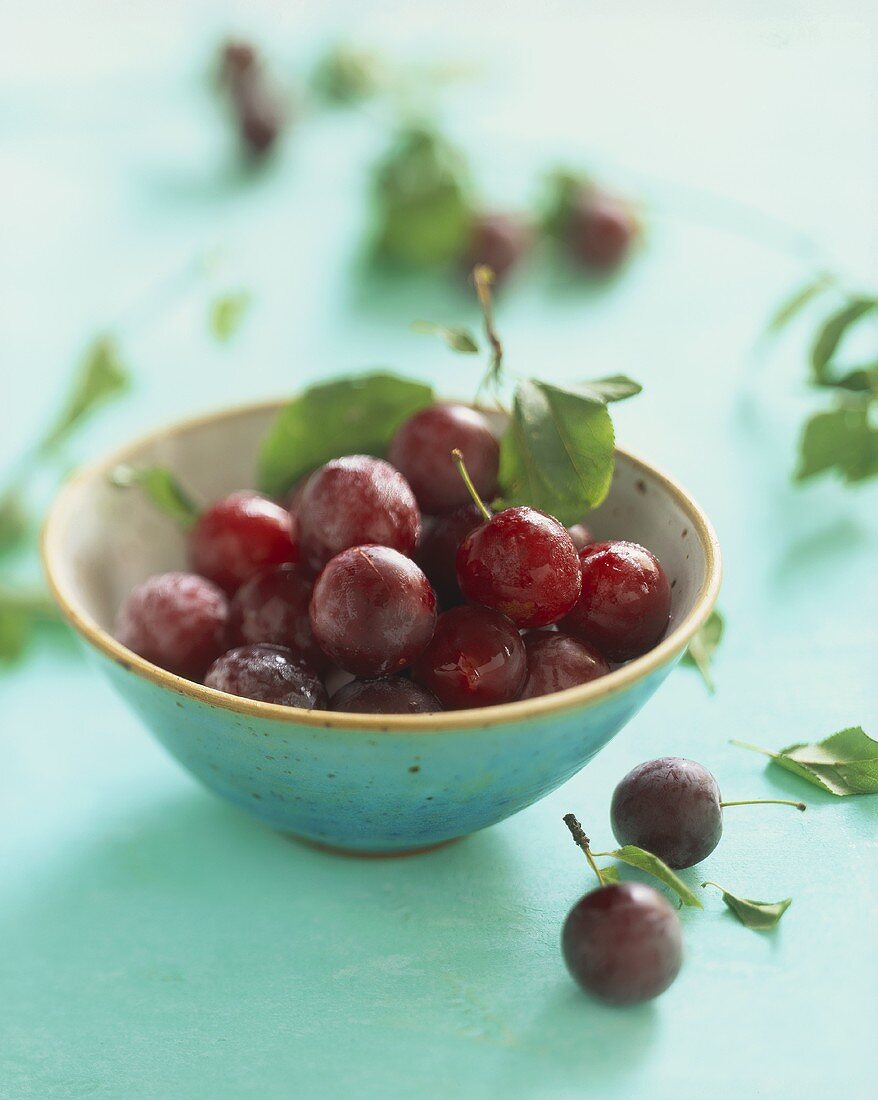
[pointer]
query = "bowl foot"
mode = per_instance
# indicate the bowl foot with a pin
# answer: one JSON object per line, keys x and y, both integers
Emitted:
{"x": 355, "y": 853}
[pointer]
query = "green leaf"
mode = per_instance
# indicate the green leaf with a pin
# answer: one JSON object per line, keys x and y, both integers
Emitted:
{"x": 101, "y": 377}
{"x": 456, "y": 337}
{"x": 20, "y": 611}
{"x": 162, "y": 488}
{"x": 13, "y": 520}
{"x": 831, "y": 334}
{"x": 703, "y": 646}
{"x": 15, "y": 628}
{"x": 843, "y": 440}
{"x": 761, "y": 916}
{"x": 561, "y": 190}
{"x": 615, "y": 387}
{"x": 422, "y": 202}
{"x": 844, "y": 763}
{"x": 349, "y": 416}
{"x": 557, "y": 452}
{"x": 610, "y": 874}
{"x": 226, "y": 314}
{"x": 346, "y": 75}
{"x": 652, "y": 865}
{"x": 798, "y": 300}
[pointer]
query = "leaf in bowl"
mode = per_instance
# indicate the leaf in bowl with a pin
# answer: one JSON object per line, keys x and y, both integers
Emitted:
{"x": 348, "y": 416}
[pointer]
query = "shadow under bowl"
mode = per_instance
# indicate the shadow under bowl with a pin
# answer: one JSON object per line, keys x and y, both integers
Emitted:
{"x": 366, "y": 783}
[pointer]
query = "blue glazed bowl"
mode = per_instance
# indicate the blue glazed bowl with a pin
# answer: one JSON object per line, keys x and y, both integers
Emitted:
{"x": 365, "y": 783}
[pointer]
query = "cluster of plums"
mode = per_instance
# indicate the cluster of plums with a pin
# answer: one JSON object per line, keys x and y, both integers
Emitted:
{"x": 597, "y": 233}
{"x": 623, "y": 941}
{"x": 388, "y": 571}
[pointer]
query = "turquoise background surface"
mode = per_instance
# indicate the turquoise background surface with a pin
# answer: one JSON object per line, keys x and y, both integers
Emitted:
{"x": 155, "y": 943}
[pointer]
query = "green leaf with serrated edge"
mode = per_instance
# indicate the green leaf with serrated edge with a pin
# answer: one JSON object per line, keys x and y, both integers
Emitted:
{"x": 101, "y": 377}
{"x": 843, "y": 440}
{"x": 348, "y": 416}
{"x": 557, "y": 451}
{"x": 610, "y": 875}
{"x": 13, "y": 520}
{"x": 844, "y": 763}
{"x": 161, "y": 487}
{"x": 831, "y": 334}
{"x": 703, "y": 646}
{"x": 615, "y": 387}
{"x": 226, "y": 314}
{"x": 457, "y": 338}
{"x": 798, "y": 300}
{"x": 652, "y": 865}
{"x": 761, "y": 916}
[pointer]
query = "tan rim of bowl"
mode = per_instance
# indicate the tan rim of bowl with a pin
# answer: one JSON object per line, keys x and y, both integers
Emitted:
{"x": 484, "y": 717}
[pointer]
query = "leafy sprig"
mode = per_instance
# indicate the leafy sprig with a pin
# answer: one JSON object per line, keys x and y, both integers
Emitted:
{"x": 844, "y": 763}
{"x": 843, "y": 438}
{"x": 556, "y": 454}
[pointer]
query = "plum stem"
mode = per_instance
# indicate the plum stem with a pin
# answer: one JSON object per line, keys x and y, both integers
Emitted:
{"x": 483, "y": 277}
{"x": 468, "y": 481}
{"x": 582, "y": 841}
{"x": 765, "y": 802}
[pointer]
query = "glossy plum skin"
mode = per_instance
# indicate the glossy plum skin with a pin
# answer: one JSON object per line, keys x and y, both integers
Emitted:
{"x": 670, "y": 807}
{"x": 555, "y": 661}
{"x": 273, "y": 607}
{"x": 476, "y": 659}
{"x": 179, "y": 621}
{"x": 601, "y": 231}
{"x": 240, "y": 535}
{"x": 623, "y": 943}
{"x": 268, "y": 673}
{"x": 522, "y": 563}
{"x": 394, "y": 695}
{"x": 372, "y": 611}
{"x": 625, "y": 605}
{"x": 356, "y": 501}
{"x": 421, "y": 450}
{"x": 499, "y": 241}
{"x": 437, "y": 551}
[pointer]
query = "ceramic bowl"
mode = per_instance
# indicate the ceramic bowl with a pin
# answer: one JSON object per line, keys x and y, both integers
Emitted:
{"x": 366, "y": 783}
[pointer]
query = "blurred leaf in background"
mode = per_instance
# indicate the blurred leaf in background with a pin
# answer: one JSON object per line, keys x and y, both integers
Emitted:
{"x": 423, "y": 203}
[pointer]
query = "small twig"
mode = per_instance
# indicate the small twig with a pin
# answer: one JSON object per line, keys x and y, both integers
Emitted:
{"x": 582, "y": 841}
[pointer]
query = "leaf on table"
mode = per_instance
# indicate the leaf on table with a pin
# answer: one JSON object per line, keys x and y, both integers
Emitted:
{"x": 703, "y": 646}
{"x": 843, "y": 440}
{"x": 349, "y": 416}
{"x": 761, "y": 916}
{"x": 226, "y": 314}
{"x": 557, "y": 452}
{"x": 101, "y": 377}
{"x": 13, "y": 520}
{"x": 15, "y": 628}
{"x": 797, "y": 301}
{"x": 456, "y": 337}
{"x": 831, "y": 333}
{"x": 844, "y": 763}
{"x": 20, "y": 611}
{"x": 161, "y": 488}
{"x": 652, "y": 865}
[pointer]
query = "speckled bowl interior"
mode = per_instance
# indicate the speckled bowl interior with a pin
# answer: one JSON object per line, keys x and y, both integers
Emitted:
{"x": 370, "y": 783}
